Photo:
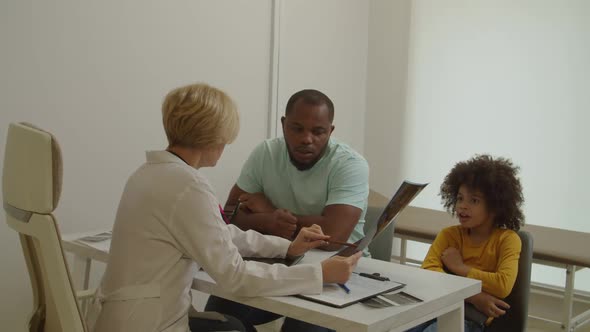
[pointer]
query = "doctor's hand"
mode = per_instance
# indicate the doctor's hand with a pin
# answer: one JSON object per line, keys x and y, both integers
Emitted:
{"x": 282, "y": 223}
{"x": 256, "y": 203}
{"x": 308, "y": 238}
{"x": 338, "y": 269}
{"x": 488, "y": 304}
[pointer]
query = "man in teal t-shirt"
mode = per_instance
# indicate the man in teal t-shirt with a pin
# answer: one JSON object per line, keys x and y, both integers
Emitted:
{"x": 302, "y": 179}
{"x": 338, "y": 178}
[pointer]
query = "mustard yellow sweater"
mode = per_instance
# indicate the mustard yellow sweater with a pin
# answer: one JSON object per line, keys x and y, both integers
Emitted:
{"x": 494, "y": 262}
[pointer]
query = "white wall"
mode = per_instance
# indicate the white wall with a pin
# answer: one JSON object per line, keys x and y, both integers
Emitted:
{"x": 323, "y": 46}
{"x": 389, "y": 31}
{"x": 440, "y": 81}
{"x": 95, "y": 73}
{"x": 510, "y": 79}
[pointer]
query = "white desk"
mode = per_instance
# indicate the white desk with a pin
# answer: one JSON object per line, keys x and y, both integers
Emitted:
{"x": 443, "y": 296}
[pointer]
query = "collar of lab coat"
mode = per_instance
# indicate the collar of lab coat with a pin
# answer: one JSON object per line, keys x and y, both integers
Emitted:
{"x": 160, "y": 157}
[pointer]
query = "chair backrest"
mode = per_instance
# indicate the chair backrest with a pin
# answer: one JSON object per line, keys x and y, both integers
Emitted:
{"x": 516, "y": 317}
{"x": 31, "y": 186}
{"x": 380, "y": 247}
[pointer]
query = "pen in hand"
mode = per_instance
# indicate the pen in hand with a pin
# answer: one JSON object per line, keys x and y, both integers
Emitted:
{"x": 346, "y": 289}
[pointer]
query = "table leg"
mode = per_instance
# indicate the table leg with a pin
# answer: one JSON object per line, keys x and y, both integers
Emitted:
{"x": 452, "y": 321}
{"x": 403, "y": 251}
{"x": 568, "y": 300}
{"x": 81, "y": 276}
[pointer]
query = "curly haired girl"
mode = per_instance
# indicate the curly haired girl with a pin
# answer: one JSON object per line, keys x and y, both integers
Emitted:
{"x": 486, "y": 196}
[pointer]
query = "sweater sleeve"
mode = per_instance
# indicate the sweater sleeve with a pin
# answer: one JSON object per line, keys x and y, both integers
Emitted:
{"x": 433, "y": 260}
{"x": 500, "y": 283}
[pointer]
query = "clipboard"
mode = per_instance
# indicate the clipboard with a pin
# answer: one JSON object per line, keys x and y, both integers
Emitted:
{"x": 361, "y": 288}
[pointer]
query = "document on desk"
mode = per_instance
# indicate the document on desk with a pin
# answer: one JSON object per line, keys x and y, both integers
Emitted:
{"x": 100, "y": 241}
{"x": 361, "y": 288}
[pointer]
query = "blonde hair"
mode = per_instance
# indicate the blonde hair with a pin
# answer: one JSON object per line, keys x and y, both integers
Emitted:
{"x": 199, "y": 115}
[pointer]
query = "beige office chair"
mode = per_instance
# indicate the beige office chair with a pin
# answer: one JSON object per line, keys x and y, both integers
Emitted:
{"x": 31, "y": 186}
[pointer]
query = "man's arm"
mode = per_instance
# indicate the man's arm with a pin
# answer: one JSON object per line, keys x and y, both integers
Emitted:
{"x": 244, "y": 219}
{"x": 337, "y": 221}
{"x": 233, "y": 198}
{"x": 258, "y": 213}
{"x": 347, "y": 193}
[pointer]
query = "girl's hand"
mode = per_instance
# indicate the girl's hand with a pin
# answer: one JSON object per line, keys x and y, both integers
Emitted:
{"x": 308, "y": 238}
{"x": 489, "y": 305}
{"x": 453, "y": 260}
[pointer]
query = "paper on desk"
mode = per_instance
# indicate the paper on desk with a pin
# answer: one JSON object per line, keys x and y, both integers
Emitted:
{"x": 360, "y": 289}
{"x": 391, "y": 299}
{"x": 100, "y": 241}
{"x": 97, "y": 237}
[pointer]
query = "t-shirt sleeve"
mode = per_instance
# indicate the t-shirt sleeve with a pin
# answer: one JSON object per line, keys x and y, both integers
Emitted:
{"x": 250, "y": 179}
{"x": 349, "y": 183}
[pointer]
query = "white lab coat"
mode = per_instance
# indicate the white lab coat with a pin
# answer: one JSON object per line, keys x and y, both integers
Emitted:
{"x": 167, "y": 226}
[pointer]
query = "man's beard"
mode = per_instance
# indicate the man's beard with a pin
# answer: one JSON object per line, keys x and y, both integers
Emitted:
{"x": 305, "y": 166}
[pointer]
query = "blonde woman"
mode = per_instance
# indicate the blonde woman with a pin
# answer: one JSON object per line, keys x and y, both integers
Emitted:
{"x": 168, "y": 225}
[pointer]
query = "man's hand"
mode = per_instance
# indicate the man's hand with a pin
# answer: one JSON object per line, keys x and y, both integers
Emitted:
{"x": 308, "y": 238}
{"x": 256, "y": 203}
{"x": 282, "y": 224}
{"x": 452, "y": 259}
{"x": 489, "y": 305}
{"x": 337, "y": 269}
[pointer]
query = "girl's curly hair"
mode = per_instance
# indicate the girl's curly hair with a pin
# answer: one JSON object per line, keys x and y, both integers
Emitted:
{"x": 496, "y": 179}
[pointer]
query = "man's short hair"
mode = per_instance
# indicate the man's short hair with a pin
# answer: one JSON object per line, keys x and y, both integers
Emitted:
{"x": 199, "y": 115}
{"x": 310, "y": 97}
